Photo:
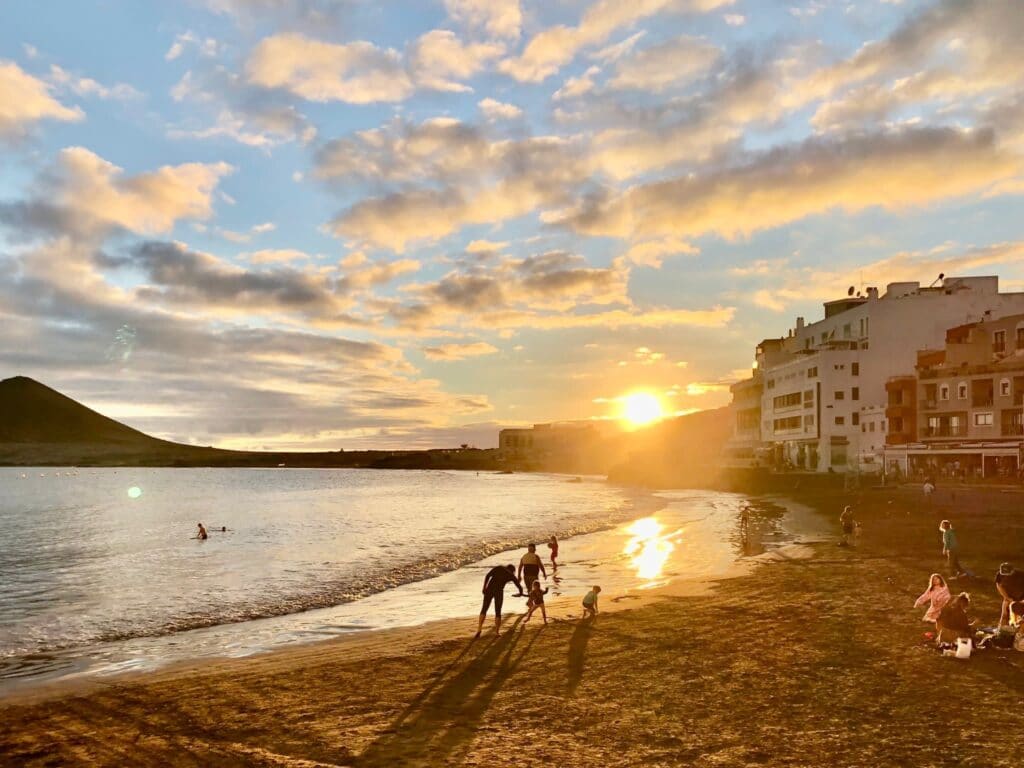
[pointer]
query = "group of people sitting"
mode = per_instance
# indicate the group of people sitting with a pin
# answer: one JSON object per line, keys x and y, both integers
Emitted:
{"x": 531, "y": 567}
{"x": 951, "y": 615}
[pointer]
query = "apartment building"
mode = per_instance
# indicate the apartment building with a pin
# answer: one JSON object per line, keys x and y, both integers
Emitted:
{"x": 970, "y": 403}
{"x": 825, "y": 386}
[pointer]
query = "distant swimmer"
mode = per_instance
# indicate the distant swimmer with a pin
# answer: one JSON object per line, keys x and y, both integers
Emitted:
{"x": 494, "y": 590}
{"x": 202, "y": 535}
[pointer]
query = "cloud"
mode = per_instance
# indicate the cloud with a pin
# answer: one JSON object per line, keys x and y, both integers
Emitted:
{"x": 893, "y": 170}
{"x": 87, "y": 87}
{"x": 575, "y": 87}
{"x": 652, "y": 253}
{"x": 95, "y": 193}
{"x": 555, "y": 46}
{"x": 734, "y": 19}
{"x": 496, "y": 18}
{"x": 448, "y": 352}
{"x": 25, "y": 100}
{"x": 363, "y": 274}
{"x": 275, "y": 256}
{"x": 485, "y": 246}
{"x": 355, "y": 73}
{"x": 438, "y": 60}
{"x": 497, "y": 110}
{"x": 206, "y": 46}
{"x": 671, "y": 63}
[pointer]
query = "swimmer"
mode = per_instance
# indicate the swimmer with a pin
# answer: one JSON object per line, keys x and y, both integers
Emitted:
{"x": 202, "y": 535}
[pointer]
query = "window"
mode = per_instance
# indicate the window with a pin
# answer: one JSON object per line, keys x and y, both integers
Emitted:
{"x": 855, "y": 393}
{"x": 961, "y": 390}
{"x": 855, "y": 369}
{"x": 824, "y": 337}
{"x": 1020, "y": 337}
{"x": 863, "y": 427}
{"x": 855, "y": 419}
{"x": 812, "y": 372}
{"x": 1004, "y": 388}
{"x": 840, "y": 421}
{"x": 871, "y": 426}
{"x": 863, "y": 345}
{"x": 786, "y": 401}
{"x": 983, "y": 419}
{"x": 839, "y": 395}
{"x": 809, "y": 420}
{"x": 882, "y": 427}
{"x": 847, "y": 331}
{"x": 807, "y": 343}
{"x": 999, "y": 341}
{"x": 944, "y": 392}
{"x": 790, "y": 422}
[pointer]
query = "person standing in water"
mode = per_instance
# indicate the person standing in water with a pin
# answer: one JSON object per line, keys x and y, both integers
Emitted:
{"x": 553, "y": 546}
{"x": 494, "y": 590}
{"x": 202, "y": 535}
{"x": 530, "y": 566}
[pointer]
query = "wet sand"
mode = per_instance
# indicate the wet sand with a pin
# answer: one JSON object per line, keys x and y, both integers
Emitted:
{"x": 813, "y": 659}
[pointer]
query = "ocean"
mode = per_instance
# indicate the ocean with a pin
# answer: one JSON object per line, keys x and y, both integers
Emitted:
{"x": 100, "y": 573}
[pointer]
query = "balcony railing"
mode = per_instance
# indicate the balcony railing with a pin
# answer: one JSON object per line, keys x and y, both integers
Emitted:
{"x": 1012, "y": 430}
{"x": 944, "y": 431}
{"x": 982, "y": 402}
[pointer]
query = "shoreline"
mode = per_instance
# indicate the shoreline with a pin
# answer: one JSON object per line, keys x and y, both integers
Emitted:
{"x": 816, "y": 658}
{"x": 385, "y": 641}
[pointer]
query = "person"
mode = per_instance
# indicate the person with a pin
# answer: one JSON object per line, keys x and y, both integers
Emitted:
{"x": 530, "y": 565}
{"x": 848, "y": 524}
{"x": 953, "y": 621}
{"x": 1017, "y": 619}
{"x": 937, "y": 595}
{"x": 590, "y": 602}
{"x": 223, "y": 529}
{"x": 553, "y": 546}
{"x": 950, "y": 548}
{"x": 534, "y": 601}
{"x": 202, "y": 535}
{"x": 494, "y": 589}
{"x": 1010, "y": 586}
{"x": 744, "y": 520}
{"x": 929, "y": 489}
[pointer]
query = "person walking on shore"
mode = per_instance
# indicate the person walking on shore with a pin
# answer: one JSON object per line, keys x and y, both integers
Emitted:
{"x": 937, "y": 595}
{"x": 950, "y": 548}
{"x": 530, "y": 566}
{"x": 494, "y": 590}
{"x": 848, "y": 525}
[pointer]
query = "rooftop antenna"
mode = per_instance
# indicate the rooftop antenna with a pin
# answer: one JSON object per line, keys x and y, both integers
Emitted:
{"x": 939, "y": 279}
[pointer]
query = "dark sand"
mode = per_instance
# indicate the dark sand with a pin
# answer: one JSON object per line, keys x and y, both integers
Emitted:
{"x": 804, "y": 661}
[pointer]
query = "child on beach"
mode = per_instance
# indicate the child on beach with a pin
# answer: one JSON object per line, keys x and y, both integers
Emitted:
{"x": 553, "y": 546}
{"x": 590, "y": 603}
{"x": 937, "y": 595}
{"x": 535, "y": 600}
{"x": 951, "y": 548}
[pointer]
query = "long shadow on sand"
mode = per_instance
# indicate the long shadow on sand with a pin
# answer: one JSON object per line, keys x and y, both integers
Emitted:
{"x": 578, "y": 653}
{"x": 443, "y": 719}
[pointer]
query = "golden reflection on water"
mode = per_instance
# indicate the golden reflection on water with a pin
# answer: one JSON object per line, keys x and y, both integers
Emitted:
{"x": 649, "y": 548}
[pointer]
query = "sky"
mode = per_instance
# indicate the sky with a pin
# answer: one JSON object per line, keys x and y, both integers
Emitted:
{"x": 323, "y": 224}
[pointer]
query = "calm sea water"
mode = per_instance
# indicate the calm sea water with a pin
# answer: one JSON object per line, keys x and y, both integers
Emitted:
{"x": 99, "y": 570}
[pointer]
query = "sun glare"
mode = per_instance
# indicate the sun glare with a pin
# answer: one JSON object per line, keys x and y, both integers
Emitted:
{"x": 641, "y": 408}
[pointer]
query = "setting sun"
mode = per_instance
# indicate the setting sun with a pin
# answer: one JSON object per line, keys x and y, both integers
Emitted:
{"x": 641, "y": 408}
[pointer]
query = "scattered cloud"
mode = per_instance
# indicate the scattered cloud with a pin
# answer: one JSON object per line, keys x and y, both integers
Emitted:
{"x": 498, "y": 110}
{"x": 25, "y": 100}
{"x": 448, "y": 352}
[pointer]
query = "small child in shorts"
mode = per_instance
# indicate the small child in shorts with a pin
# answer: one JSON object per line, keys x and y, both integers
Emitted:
{"x": 590, "y": 602}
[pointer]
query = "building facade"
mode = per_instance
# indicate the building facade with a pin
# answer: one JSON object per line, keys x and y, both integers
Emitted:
{"x": 830, "y": 389}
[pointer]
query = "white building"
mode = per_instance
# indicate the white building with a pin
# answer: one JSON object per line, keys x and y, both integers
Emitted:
{"x": 823, "y": 396}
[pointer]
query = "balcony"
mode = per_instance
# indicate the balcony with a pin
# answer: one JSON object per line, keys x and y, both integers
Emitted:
{"x": 982, "y": 402}
{"x": 1012, "y": 430}
{"x": 959, "y": 431}
{"x": 929, "y": 405}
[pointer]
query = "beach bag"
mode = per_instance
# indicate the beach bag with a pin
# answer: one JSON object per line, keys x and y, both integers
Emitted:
{"x": 963, "y": 647}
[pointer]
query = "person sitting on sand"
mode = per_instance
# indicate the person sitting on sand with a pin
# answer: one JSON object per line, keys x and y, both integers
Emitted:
{"x": 953, "y": 621}
{"x": 494, "y": 589}
{"x": 535, "y": 600}
{"x": 531, "y": 565}
{"x": 951, "y": 548}
{"x": 1010, "y": 585}
{"x": 937, "y": 595}
{"x": 590, "y": 602}
{"x": 202, "y": 535}
{"x": 848, "y": 525}
{"x": 553, "y": 546}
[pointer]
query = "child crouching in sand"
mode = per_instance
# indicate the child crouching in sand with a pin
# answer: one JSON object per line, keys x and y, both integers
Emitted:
{"x": 590, "y": 603}
{"x": 535, "y": 600}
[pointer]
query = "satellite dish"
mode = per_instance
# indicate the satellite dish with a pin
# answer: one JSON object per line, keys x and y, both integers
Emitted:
{"x": 850, "y": 291}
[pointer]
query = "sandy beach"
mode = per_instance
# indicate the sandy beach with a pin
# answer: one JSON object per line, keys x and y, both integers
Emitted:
{"x": 811, "y": 656}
